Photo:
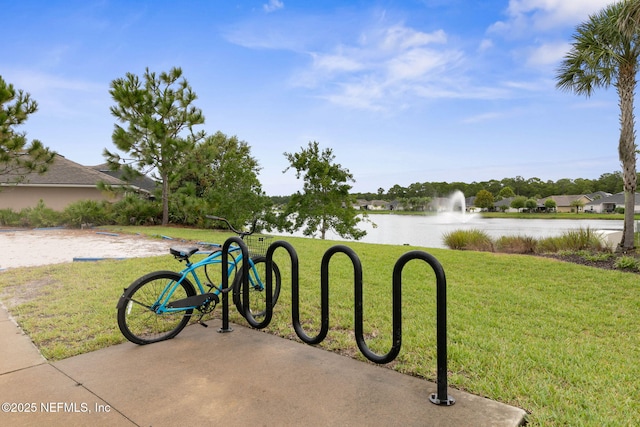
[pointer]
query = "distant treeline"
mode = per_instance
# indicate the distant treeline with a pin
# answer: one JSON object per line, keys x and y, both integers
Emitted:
{"x": 527, "y": 187}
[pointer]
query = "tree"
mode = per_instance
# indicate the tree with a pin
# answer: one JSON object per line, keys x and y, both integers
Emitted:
{"x": 550, "y": 204}
{"x": 221, "y": 173}
{"x": 610, "y": 182}
{"x": 578, "y": 204}
{"x": 519, "y": 202}
{"x": 484, "y": 199}
{"x": 602, "y": 54}
{"x": 506, "y": 192}
{"x": 17, "y": 158}
{"x": 325, "y": 203}
{"x": 629, "y": 17}
{"x": 396, "y": 192}
{"x": 160, "y": 117}
{"x": 531, "y": 204}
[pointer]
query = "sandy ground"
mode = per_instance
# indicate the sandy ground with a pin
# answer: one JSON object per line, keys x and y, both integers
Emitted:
{"x": 23, "y": 248}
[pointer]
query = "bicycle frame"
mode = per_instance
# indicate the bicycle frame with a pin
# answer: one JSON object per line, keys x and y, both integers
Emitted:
{"x": 215, "y": 258}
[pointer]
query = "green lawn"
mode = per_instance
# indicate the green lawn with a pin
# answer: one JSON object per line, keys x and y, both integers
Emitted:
{"x": 559, "y": 340}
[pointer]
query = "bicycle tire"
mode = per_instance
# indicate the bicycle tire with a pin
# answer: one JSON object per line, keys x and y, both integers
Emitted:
{"x": 257, "y": 297}
{"x": 137, "y": 320}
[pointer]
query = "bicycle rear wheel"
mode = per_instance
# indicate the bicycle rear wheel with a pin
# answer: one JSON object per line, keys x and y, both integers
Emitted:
{"x": 257, "y": 294}
{"x": 137, "y": 317}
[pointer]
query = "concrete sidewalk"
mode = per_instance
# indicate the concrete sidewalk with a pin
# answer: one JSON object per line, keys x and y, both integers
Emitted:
{"x": 206, "y": 378}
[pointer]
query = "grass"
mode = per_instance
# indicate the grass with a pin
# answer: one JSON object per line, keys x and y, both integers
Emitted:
{"x": 557, "y": 339}
{"x": 473, "y": 240}
{"x": 579, "y": 240}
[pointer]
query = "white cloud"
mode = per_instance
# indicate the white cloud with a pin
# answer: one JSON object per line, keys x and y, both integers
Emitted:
{"x": 417, "y": 64}
{"x": 336, "y": 63}
{"x": 556, "y": 12}
{"x": 547, "y": 54}
{"x": 525, "y": 16}
{"x": 58, "y": 96}
{"x": 272, "y": 6}
{"x": 385, "y": 66}
{"x": 484, "y": 117}
{"x": 485, "y": 44}
{"x": 363, "y": 95}
{"x": 37, "y": 81}
{"x": 534, "y": 32}
{"x": 399, "y": 37}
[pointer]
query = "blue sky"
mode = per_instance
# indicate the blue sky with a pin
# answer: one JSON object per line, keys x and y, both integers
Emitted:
{"x": 401, "y": 91}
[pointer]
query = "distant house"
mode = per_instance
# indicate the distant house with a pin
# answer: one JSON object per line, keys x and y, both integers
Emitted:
{"x": 374, "y": 205}
{"x": 504, "y": 205}
{"x": 64, "y": 182}
{"x": 610, "y": 203}
{"x": 143, "y": 183}
{"x": 567, "y": 203}
{"x": 598, "y": 195}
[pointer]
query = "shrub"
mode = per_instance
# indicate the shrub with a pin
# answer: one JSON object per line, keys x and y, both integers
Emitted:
{"x": 627, "y": 263}
{"x": 549, "y": 245}
{"x": 598, "y": 256}
{"x": 473, "y": 240}
{"x": 573, "y": 240}
{"x": 187, "y": 210}
{"x": 40, "y": 216}
{"x": 517, "y": 244}
{"x": 9, "y": 218}
{"x": 133, "y": 210}
{"x": 86, "y": 212}
{"x": 581, "y": 239}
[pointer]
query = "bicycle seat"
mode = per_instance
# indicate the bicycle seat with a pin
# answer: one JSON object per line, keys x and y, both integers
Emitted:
{"x": 183, "y": 253}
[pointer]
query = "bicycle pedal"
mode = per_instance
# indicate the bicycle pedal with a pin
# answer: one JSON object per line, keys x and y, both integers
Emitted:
{"x": 203, "y": 324}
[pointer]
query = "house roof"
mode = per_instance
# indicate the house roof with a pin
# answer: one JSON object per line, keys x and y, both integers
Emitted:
{"x": 143, "y": 182}
{"x": 564, "y": 200}
{"x": 504, "y": 202}
{"x": 617, "y": 199}
{"x": 64, "y": 172}
{"x": 598, "y": 195}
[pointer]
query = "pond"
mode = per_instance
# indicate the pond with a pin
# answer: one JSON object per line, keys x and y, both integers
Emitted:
{"x": 428, "y": 231}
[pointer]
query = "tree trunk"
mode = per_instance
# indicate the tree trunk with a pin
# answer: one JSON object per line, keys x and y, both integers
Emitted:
{"x": 627, "y": 151}
{"x": 165, "y": 198}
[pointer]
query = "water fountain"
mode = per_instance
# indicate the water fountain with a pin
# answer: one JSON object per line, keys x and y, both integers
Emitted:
{"x": 454, "y": 210}
{"x": 457, "y": 202}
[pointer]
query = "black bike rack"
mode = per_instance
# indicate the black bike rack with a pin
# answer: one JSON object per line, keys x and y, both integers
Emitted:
{"x": 439, "y": 398}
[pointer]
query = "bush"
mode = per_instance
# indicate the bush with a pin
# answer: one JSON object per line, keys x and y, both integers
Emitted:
{"x": 133, "y": 210}
{"x": 627, "y": 263}
{"x": 517, "y": 244}
{"x": 187, "y": 210}
{"x": 472, "y": 240}
{"x": 581, "y": 239}
{"x": 573, "y": 240}
{"x": 87, "y": 212}
{"x": 40, "y": 216}
{"x": 550, "y": 245}
{"x": 597, "y": 256}
{"x": 9, "y": 218}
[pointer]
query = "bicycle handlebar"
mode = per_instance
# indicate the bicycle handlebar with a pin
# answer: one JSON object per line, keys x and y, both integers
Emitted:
{"x": 239, "y": 233}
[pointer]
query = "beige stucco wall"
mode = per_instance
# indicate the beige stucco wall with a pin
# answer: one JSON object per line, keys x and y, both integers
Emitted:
{"x": 57, "y": 198}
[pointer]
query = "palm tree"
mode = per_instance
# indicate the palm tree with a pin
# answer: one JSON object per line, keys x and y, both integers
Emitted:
{"x": 630, "y": 17}
{"x": 602, "y": 54}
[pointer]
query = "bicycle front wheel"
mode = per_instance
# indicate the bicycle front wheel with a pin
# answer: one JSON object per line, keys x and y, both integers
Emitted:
{"x": 257, "y": 291}
{"x": 138, "y": 319}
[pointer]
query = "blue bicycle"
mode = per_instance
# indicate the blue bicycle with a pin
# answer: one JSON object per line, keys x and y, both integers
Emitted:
{"x": 158, "y": 305}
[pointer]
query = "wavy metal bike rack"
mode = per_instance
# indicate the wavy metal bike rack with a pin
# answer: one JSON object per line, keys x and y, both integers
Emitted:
{"x": 439, "y": 398}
